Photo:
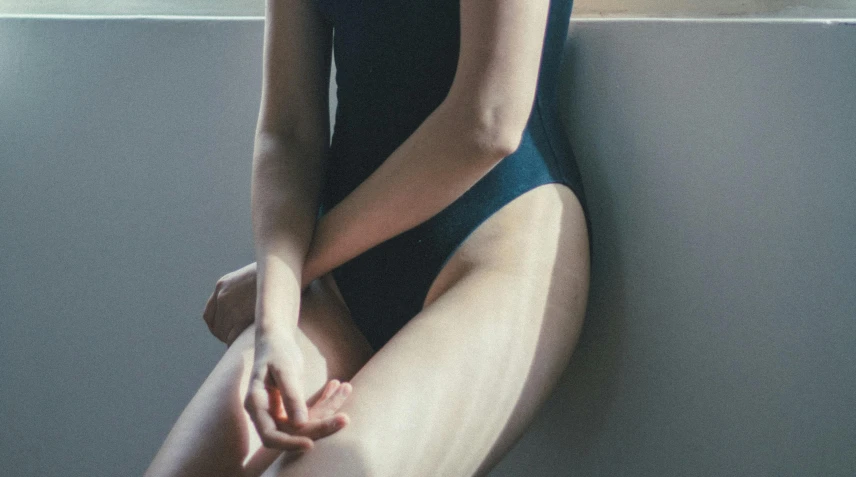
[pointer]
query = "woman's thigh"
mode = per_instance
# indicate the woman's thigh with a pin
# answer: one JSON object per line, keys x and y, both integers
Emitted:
{"x": 456, "y": 387}
{"x": 214, "y": 435}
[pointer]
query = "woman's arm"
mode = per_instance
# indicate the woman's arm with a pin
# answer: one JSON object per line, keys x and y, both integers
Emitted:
{"x": 291, "y": 145}
{"x": 292, "y": 141}
{"x": 479, "y": 123}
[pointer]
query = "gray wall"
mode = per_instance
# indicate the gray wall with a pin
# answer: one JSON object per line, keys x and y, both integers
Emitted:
{"x": 718, "y": 158}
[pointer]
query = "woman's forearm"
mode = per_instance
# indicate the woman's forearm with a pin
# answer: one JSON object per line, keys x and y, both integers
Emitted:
{"x": 287, "y": 177}
{"x": 449, "y": 152}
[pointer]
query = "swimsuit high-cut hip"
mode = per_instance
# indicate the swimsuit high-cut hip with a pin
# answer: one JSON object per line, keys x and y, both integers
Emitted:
{"x": 395, "y": 61}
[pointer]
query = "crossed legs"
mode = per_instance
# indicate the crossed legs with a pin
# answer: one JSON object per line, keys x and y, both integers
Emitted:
{"x": 451, "y": 392}
{"x": 214, "y": 435}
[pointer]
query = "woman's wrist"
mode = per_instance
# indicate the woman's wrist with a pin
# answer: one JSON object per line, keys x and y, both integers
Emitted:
{"x": 310, "y": 272}
{"x": 273, "y": 326}
{"x": 277, "y": 315}
{"x": 277, "y": 293}
{"x": 280, "y": 318}
{"x": 320, "y": 257}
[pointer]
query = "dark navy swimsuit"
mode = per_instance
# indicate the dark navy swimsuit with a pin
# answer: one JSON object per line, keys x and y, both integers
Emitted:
{"x": 395, "y": 61}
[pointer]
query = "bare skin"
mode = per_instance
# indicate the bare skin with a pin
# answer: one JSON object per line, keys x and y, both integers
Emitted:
{"x": 215, "y": 435}
{"x": 480, "y": 122}
{"x": 432, "y": 401}
{"x": 231, "y": 307}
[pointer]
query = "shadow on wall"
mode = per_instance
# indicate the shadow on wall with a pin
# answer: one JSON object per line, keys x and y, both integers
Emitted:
{"x": 587, "y": 390}
{"x": 575, "y": 416}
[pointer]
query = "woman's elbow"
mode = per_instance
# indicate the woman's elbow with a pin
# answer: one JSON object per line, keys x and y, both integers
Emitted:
{"x": 500, "y": 142}
{"x": 510, "y": 141}
{"x": 491, "y": 131}
{"x": 498, "y": 134}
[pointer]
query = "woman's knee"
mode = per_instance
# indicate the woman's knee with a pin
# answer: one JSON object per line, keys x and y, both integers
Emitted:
{"x": 345, "y": 454}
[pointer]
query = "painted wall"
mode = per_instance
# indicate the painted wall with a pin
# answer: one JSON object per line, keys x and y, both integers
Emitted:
{"x": 718, "y": 159}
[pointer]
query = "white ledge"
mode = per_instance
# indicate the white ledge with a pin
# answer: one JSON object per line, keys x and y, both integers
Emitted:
{"x": 575, "y": 18}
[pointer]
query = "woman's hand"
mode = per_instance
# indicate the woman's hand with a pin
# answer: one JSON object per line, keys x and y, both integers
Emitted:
{"x": 231, "y": 307}
{"x": 275, "y": 399}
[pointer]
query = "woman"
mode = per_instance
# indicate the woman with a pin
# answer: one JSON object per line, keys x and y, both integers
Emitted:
{"x": 422, "y": 280}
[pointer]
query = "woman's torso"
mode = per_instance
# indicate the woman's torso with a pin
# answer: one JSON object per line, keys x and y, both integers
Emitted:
{"x": 395, "y": 62}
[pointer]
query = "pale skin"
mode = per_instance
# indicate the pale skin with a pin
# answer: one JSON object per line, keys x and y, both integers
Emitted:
{"x": 299, "y": 392}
